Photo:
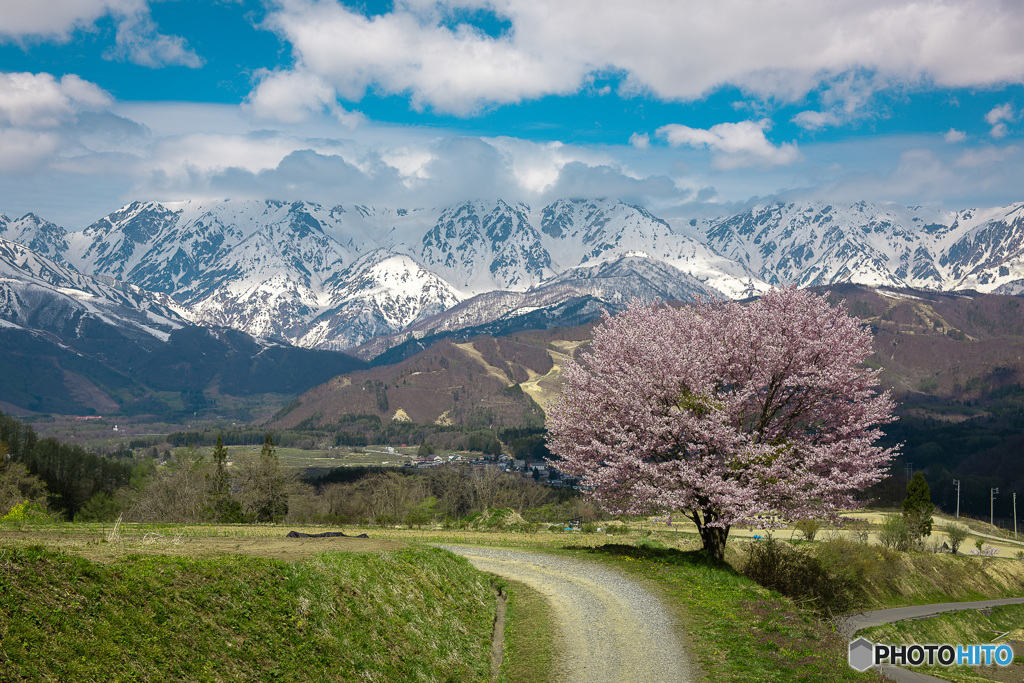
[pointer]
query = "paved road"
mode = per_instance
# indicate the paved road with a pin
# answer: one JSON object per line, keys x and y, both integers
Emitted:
{"x": 850, "y": 624}
{"x": 614, "y": 631}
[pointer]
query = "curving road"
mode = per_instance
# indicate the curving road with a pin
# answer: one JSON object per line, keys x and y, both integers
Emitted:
{"x": 614, "y": 631}
{"x": 851, "y": 623}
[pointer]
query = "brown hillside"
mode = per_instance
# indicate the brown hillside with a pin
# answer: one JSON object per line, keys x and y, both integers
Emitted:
{"x": 935, "y": 348}
{"x": 483, "y": 381}
{"x": 942, "y": 345}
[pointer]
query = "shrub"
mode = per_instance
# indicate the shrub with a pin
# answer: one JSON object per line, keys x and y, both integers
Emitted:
{"x": 799, "y": 574}
{"x": 896, "y": 533}
{"x": 956, "y": 535}
{"x": 25, "y": 512}
{"x": 808, "y": 527}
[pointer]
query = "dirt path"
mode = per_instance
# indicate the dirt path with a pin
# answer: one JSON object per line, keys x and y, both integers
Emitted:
{"x": 613, "y": 630}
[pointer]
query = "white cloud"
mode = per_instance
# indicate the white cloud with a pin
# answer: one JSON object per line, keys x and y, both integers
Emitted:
{"x": 734, "y": 145}
{"x": 23, "y": 150}
{"x": 137, "y": 40}
{"x": 46, "y": 122}
{"x": 816, "y": 120}
{"x": 844, "y": 98}
{"x": 41, "y": 101}
{"x": 295, "y": 96}
{"x": 954, "y": 135}
{"x": 457, "y": 69}
{"x": 998, "y": 118}
{"x": 640, "y": 140}
{"x": 671, "y": 49}
{"x": 986, "y": 157}
{"x": 56, "y": 19}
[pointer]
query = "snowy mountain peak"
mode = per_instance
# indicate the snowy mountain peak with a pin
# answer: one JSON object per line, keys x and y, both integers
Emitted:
{"x": 336, "y": 276}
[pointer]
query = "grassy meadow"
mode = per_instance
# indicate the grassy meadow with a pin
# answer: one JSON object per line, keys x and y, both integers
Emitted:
{"x": 416, "y": 613}
{"x": 242, "y": 602}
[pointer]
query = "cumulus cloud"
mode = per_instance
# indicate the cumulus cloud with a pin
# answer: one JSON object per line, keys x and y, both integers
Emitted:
{"x": 457, "y": 70}
{"x": 385, "y": 167}
{"x": 46, "y": 121}
{"x": 42, "y": 101}
{"x": 430, "y": 51}
{"x": 734, "y": 145}
{"x": 137, "y": 40}
{"x": 954, "y": 135}
{"x": 55, "y": 19}
{"x": 295, "y": 96}
{"x": 998, "y": 118}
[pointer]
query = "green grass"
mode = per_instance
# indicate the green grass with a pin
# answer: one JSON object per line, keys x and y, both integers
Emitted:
{"x": 738, "y": 631}
{"x": 955, "y": 628}
{"x": 967, "y": 626}
{"x": 416, "y": 614}
{"x": 529, "y": 636}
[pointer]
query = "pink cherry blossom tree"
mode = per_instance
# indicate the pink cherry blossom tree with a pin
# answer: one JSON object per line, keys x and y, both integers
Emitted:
{"x": 731, "y": 414}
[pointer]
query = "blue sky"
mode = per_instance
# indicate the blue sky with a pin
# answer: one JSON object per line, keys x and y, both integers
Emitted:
{"x": 690, "y": 108}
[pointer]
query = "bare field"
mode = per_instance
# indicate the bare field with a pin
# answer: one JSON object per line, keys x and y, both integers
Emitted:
{"x": 96, "y": 542}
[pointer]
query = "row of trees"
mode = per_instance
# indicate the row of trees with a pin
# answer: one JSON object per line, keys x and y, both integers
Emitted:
{"x": 195, "y": 488}
{"x": 199, "y": 486}
{"x": 196, "y": 485}
{"x": 71, "y": 475}
{"x": 363, "y": 430}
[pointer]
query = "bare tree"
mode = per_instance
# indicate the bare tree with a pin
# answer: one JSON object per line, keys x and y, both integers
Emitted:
{"x": 176, "y": 492}
{"x": 264, "y": 487}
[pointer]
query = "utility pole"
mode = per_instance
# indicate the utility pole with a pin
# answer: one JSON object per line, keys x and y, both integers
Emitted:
{"x": 991, "y": 509}
{"x": 1015, "y": 516}
{"x": 956, "y": 482}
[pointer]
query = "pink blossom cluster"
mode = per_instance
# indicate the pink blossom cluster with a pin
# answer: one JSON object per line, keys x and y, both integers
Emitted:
{"x": 731, "y": 413}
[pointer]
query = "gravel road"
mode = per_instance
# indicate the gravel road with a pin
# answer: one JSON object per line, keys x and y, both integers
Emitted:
{"x": 614, "y": 631}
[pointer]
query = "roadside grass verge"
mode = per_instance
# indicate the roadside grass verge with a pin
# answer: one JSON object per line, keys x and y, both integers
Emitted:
{"x": 737, "y": 630}
{"x": 530, "y": 636}
{"x": 839, "y": 575}
{"x": 412, "y": 614}
{"x": 1000, "y": 624}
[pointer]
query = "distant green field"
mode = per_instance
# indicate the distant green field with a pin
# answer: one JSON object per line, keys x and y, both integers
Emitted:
{"x": 375, "y": 456}
{"x": 299, "y": 458}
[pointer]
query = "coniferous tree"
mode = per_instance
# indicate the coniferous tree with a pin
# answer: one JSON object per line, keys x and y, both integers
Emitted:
{"x": 223, "y": 507}
{"x": 917, "y": 506}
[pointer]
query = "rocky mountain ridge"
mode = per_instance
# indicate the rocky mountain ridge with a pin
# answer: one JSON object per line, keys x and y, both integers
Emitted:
{"x": 344, "y": 276}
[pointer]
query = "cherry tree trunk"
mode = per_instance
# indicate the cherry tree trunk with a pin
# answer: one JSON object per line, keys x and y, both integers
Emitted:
{"x": 714, "y": 538}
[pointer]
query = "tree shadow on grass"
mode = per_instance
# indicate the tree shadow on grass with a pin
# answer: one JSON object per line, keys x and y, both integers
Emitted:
{"x": 689, "y": 558}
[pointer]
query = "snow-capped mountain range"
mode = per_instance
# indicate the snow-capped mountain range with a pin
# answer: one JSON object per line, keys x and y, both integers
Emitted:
{"x": 336, "y": 277}
{"x": 39, "y": 294}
